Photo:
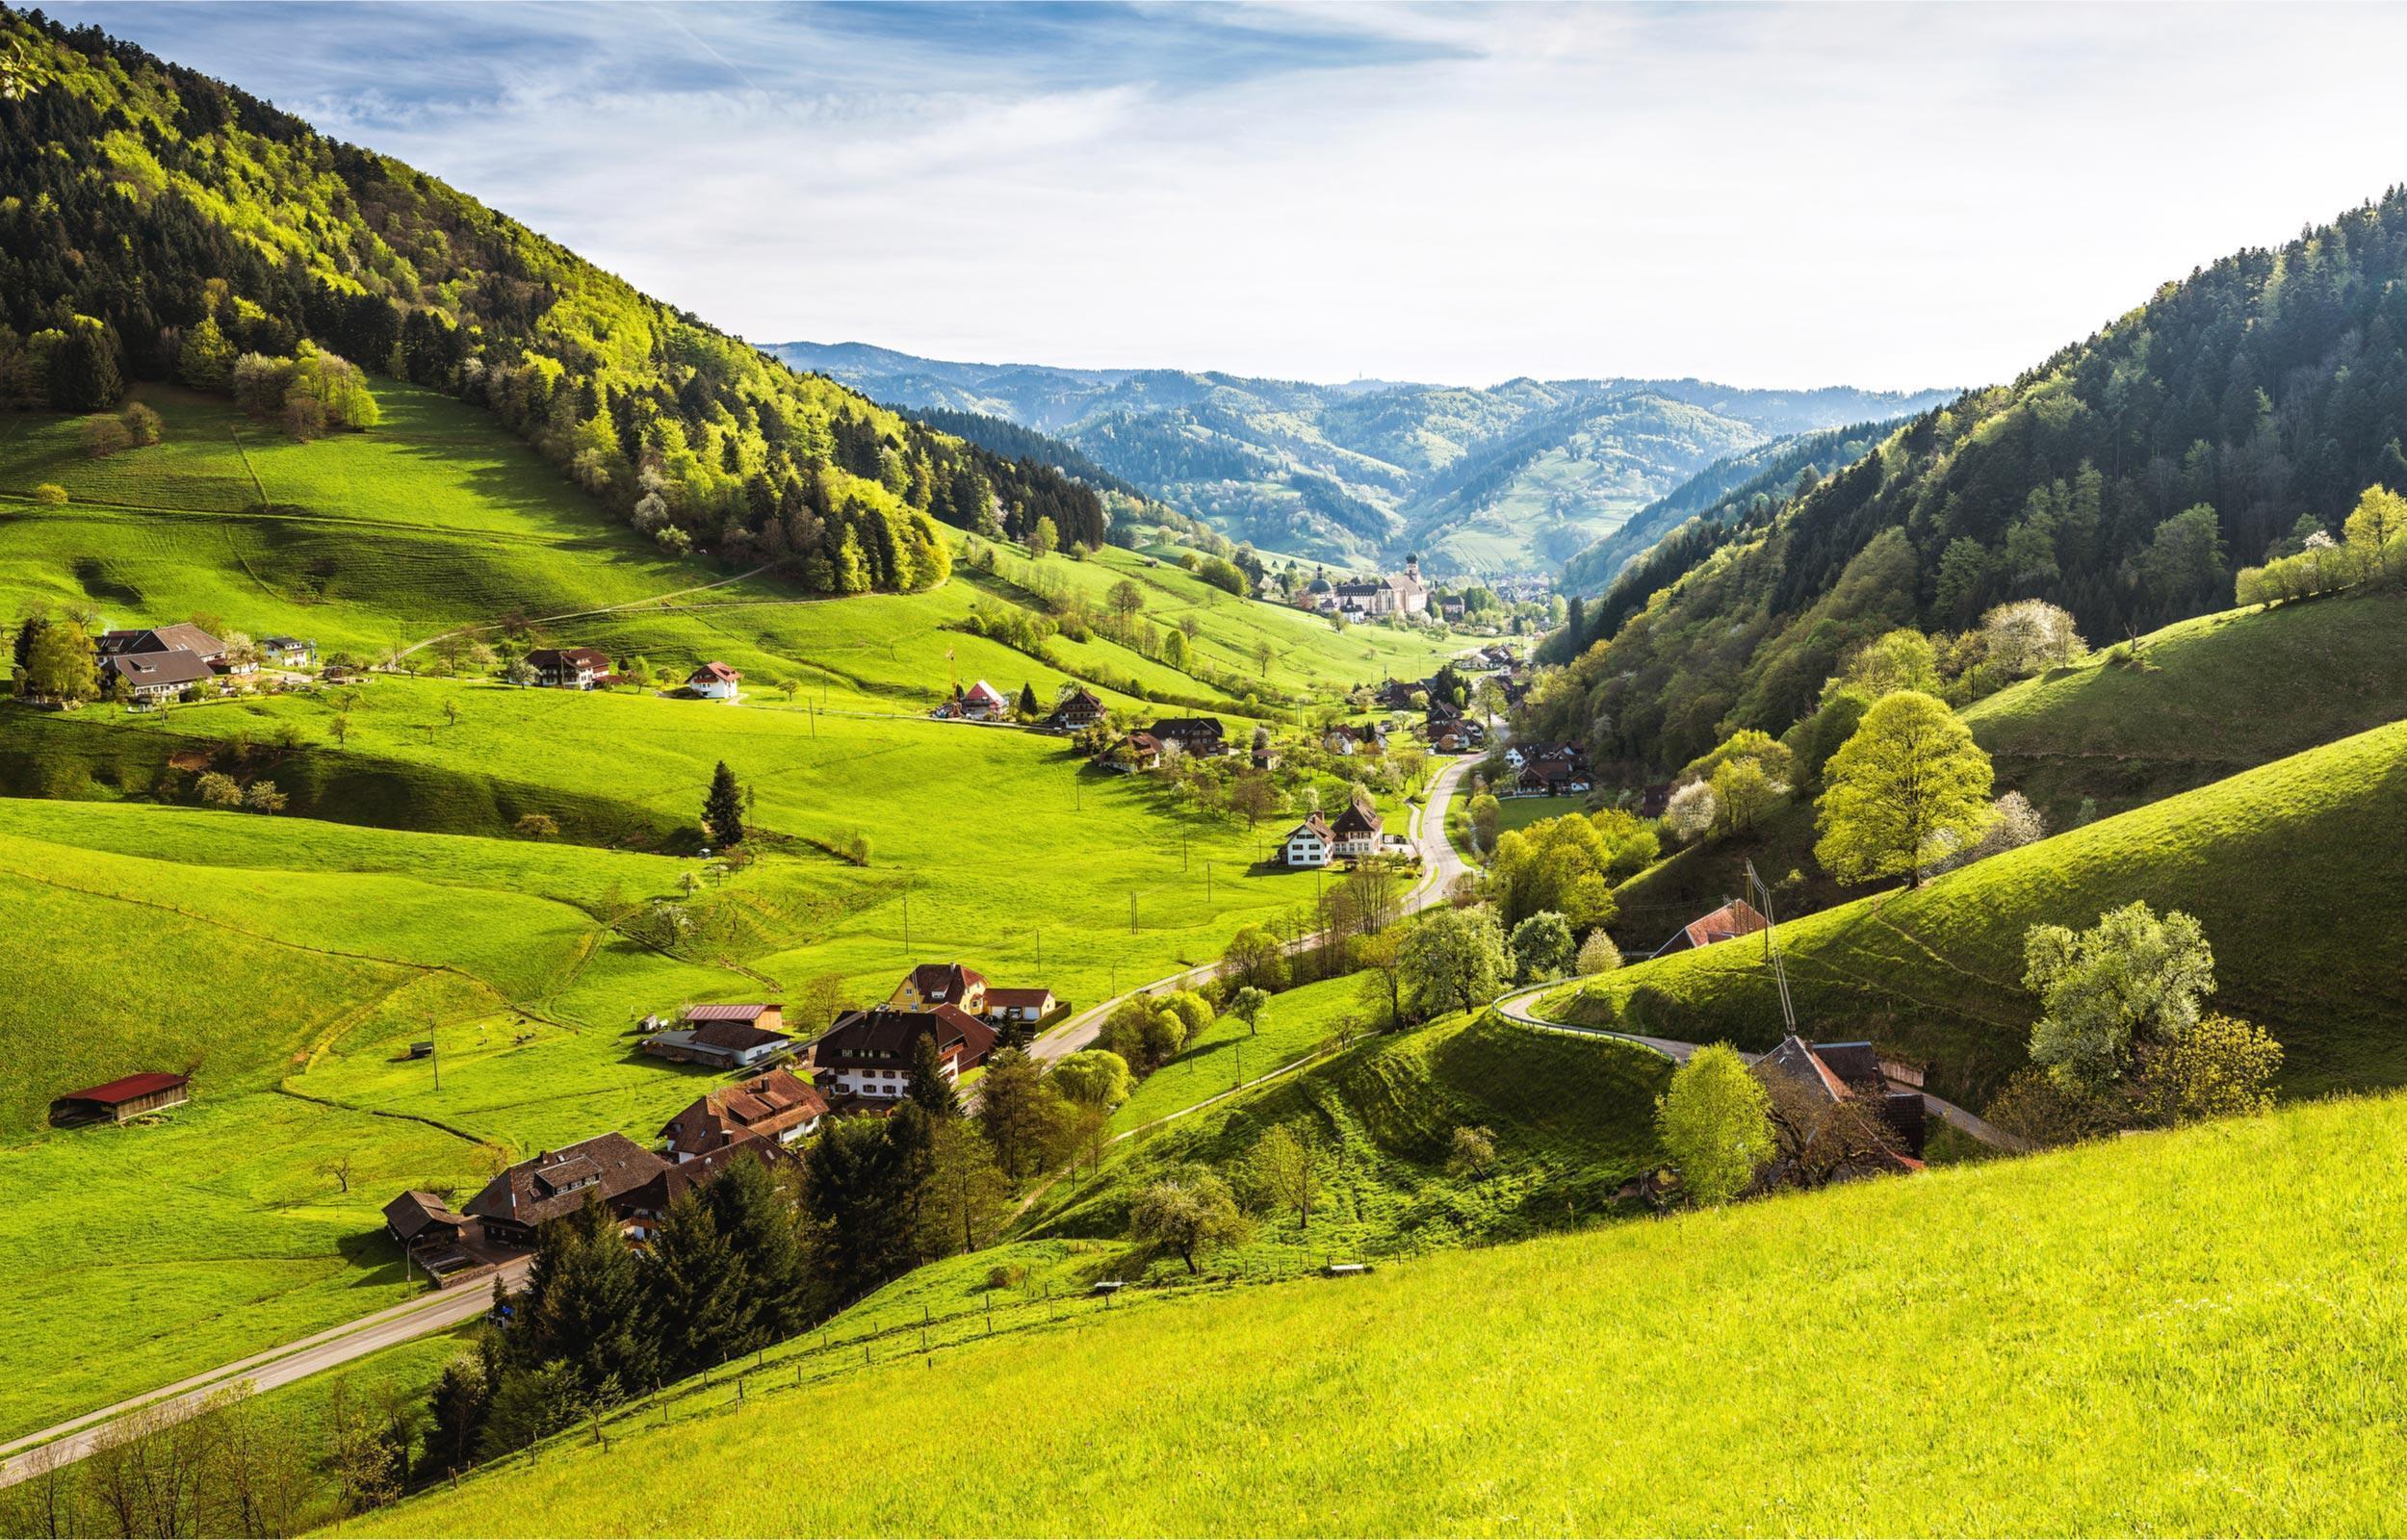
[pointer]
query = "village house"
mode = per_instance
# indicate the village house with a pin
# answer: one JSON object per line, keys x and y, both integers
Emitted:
{"x": 183, "y": 637}
{"x": 287, "y": 652}
{"x": 1138, "y": 750}
{"x": 1450, "y": 609}
{"x": 713, "y": 682}
{"x": 779, "y": 1108}
{"x": 1830, "y": 1074}
{"x": 725, "y": 1036}
{"x": 1193, "y": 734}
{"x": 118, "y": 1100}
{"x": 1558, "y": 773}
{"x": 607, "y": 1170}
{"x": 869, "y": 1053}
{"x": 641, "y": 1210}
{"x": 1654, "y": 801}
{"x": 1079, "y": 710}
{"x": 570, "y": 668}
{"x": 1309, "y": 843}
{"x": 1732, "y": 920}
{"x": 1028, "y": 1006}
{"x": 935, "y": 983}
{"x": 418, "y": 1219}
{"x": 1356, "y": 833}
{"x": 155, "y": 677}
{"x": 981, "y": 702}
{"x": 1368, "y": 737}
{"x": 1396, "y": 695}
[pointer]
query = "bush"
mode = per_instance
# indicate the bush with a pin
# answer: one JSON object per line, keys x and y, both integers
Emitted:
{"x": 1598, "y": 954}
{"x": 51, "y": 495}
{"x": 141, "y": 424}
{"x": 537, "y": 826}
{"x": 219, "y": 789}
{"x": 104, "y": 436}
{"x": 1473, "y": 1154}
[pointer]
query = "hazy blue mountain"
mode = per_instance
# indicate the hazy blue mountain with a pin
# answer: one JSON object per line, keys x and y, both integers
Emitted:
{"x": 1519, "y": 476}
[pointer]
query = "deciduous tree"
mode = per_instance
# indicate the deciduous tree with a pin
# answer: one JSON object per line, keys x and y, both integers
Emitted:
{"x": 1186, "y": 1212}
{"x": 1909, "y": 786}
{"x": 1715, "y": 1123}
{"x": 2131, "y": 978}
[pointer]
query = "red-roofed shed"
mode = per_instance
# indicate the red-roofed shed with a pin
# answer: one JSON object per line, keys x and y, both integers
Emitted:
{"x": 120, "y": 1099}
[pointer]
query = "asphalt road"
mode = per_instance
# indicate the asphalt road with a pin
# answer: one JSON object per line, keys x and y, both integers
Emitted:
{"x": 71, "y": 1440}
{"x": 1441, "y": 864}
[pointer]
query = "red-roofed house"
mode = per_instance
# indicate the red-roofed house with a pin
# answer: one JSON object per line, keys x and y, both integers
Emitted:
{"x": 1729, "y": 922}
{"x": 1017, "y": 1005}
{"x": 713, "y": 682}
{"x": 120, "y": 1099}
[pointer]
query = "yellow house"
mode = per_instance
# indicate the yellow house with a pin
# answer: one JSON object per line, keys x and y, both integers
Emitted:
{"x": 935, "y": 983}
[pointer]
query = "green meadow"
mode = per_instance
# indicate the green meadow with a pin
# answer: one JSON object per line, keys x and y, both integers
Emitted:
{"x": 1904, "y": 1345}
{"x": 2209, "y": 697}
{"x": 2294, "y": 869}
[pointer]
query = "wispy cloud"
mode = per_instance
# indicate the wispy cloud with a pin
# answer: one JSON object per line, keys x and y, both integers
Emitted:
{"x": 1886, "y": 194}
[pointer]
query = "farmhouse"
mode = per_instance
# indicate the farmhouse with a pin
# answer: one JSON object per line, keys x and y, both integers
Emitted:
{"x": 121, "y": 1099}
{"x": 607, "y": 1168}
{"x": 713, "y": 682}
{"x": 570, "y": 668}
{"x": 870, "y": 1053}
{"x": 779, "y": 1108}
{"x": 1370, "y": 737}
{"x": 1308, "y": 843}
{"x": 156, "y": 676}
{"x": 422, "y": 1219}
{"x": 1732, "y": 920}
{"x": 179, "y": 638}
{"x": 935, "y": 983}
{"x": 725, "y": 1036}
{"x": 1193, "y": 734}
{"x": 1558, "y": 773}
{"x": 1029, "y": 1006}
{"x": 288, "y": 651}
{"x": 1079, "y": 710}
{"x": 1357, "y": 831}
{"x": 643, "y": 1209}
{"x": 1831, "y": 1073}
{"x": 1138, "y": 750}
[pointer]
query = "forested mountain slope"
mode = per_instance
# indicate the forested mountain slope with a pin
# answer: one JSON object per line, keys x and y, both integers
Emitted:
{"x": 1512, "y": 478}
{"x": 155, "y": 223}
{"x": 2125, "y": 478}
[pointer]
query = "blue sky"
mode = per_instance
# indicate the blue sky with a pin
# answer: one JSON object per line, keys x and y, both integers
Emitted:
{"x": 1881, "y": 196}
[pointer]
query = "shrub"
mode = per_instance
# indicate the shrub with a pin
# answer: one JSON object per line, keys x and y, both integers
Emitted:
{"x": 1473, "y": 1153}
{"x": 219, "y": 789}
{"x": 537, "y": 826}
{"x": 51, "y": 495}
{"x": 1598, "y": 954}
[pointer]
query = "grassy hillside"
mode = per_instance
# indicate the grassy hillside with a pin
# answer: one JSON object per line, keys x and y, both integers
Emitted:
{"x": 2212, "y": 696}
{"x": 2292, "y": 868}
{"x": 2212, "y": 1293}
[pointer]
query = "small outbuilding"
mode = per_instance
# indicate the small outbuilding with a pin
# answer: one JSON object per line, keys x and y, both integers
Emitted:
{"x": 713, "y": 682}
{"x": 121, "y": 1099}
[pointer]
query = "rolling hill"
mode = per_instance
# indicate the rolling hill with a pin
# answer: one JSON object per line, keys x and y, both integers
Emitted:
{"x": 2268, "y": 389}
{"x": 2209, "y": 1291}
{"x": 2290, "y": 867}
{"x": 1510, "y": 479}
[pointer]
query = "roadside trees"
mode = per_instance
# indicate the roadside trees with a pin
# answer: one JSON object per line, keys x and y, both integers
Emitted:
{"x": 1254, "y": 960}
{"x": 1094, "y": 1077}
{"x": 1716, "y": 1125}
{"x": 1910, "y": 787}
{"x": 1541, "y": 948}
{"x": 1452, "y": 960}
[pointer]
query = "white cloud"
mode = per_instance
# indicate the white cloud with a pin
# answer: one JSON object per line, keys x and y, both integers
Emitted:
{"x": 1878, "y": 196}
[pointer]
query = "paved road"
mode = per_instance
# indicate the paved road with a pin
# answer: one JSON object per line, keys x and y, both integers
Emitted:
{"x": 1514, "y": 1006}
{"x": 1441, "y": 864}
{"x": 71, "y": 1440}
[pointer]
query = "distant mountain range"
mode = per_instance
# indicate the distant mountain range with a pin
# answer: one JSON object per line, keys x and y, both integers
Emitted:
{"x": 1514, "y": 477}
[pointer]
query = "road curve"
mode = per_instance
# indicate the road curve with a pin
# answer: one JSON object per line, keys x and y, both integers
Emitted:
{"x": 1441, "y": 864}
{"x": 71, "y": 1440}
{"x": 1514, "y": 1006}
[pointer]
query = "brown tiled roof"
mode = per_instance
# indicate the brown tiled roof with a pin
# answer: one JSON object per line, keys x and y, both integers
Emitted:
{"x": 735, "y": 1037}
{"x": 762, "y": 1107}
{"x": 180, "y": 666}
{"x": 557, "y": 1182}
{"x": 998, "y": 999}
{"x": 944, "y": 983}
{"x": 414, "y": 1211}
{"x": 1357, "y": 820}
{"x": 726, "y": 1013}
{"x": 717, "y": 672}
{"x": 585, "y": 655}
{"x": 1734, "y": 919}
{"x": 884, "y": 1037}
{"x": 1314, "y": 824}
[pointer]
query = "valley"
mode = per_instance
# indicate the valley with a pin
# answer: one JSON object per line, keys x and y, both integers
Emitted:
{"x": 1605, "y": 955}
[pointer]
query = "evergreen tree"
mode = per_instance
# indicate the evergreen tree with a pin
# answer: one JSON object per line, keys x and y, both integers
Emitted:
{"x": 83, "y": 373}
{"x": 723, "y": 808}
{"x": 930, "y": 1086}
{"x": 584, "y": 1306}
{"x": 765, "y": 1236}
{"x": 1028, "y": 706}
{"x": 693, "y": 1289}
{"x": 1018, "y": 1110}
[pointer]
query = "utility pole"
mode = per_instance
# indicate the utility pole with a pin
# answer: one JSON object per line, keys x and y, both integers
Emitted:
{"x": 1207, "y": 881}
